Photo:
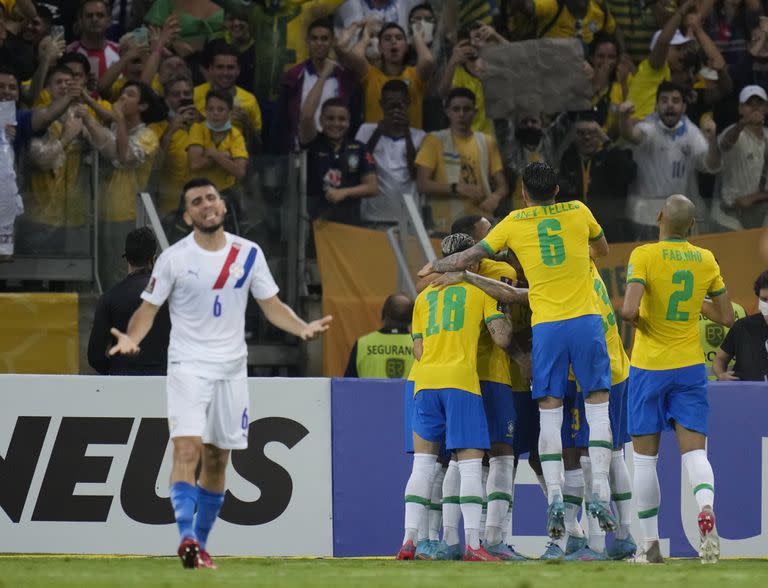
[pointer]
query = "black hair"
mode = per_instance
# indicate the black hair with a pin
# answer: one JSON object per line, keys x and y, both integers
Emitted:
{"x": 73, "y": 57}
{"x": 8, "y": 70}
{"x": 464, "y": 32}
{"x": 193, "y": 183}
{"x": 391, "y": 25}
{"x": 398, "y": 86}
{"x": 218, "y": 47}
{"x": 156, "y": 109}
{"x": 667, "y": 87}
{"x": 140, "y": 247}
{"x": 220, "y": 95}
{"x": 600, "y": 38}
{"x": 321, "y": 23}
{"x": 761, "y": 282}
{"x": 334, "y": 103}
{"x": 44, "y": 13}
{"x": 540, "y": 181}
{"x": 422, "y": 6}
{"x": 397, "y": 309}
{"x": 107, "y": 4}
{"x": 58, "y": 68}
{"x": 466, "y": 224}
{"x": 460, "y": 93}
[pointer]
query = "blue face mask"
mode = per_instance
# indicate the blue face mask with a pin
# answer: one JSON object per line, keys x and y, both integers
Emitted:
{"x": 220, "y": 129}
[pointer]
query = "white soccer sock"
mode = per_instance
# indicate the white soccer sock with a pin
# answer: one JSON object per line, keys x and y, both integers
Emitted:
{"x": 417, "y": 492}
{"x": 484, "y": 512}
{"x": 647, "y": 495}
{"x": 498, "y": 489}
{"x": 551, "y": 451}
{"x": 451, "y": 508}
{"x": 600, "y": 448}
{"x": 701, "y": 476}
{"x": 471, "y": 493}
{"x": 506, "y": 527}
{"x": 621, "y": 493}
{"x": 573, "y": 495}
{"x": 596, "y": 534}
{"x": 435, "y": 503}
{"x": 542, "y": 482}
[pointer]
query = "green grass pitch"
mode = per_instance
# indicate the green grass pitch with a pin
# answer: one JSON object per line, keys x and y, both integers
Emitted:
{"x": 86, "y": 572}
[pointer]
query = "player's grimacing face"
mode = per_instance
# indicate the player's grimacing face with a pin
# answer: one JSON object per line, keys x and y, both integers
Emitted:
{"x": 204, "y": 209}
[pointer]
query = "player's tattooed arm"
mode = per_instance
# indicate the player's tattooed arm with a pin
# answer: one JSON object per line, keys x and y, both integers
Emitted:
{"x": 502, "y": 292}
{"x": 456, "y": 262}
{"x": 501, "y": 332}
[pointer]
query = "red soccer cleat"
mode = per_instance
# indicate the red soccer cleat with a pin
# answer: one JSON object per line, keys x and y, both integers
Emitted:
{"x": 706, "y": 521}
{"x": 479, "y": 554}
{"x": 205, "y": 561}
{"x": 709, "y": 548}
{"x": 407, "y": 551}
{"x": 189, "y": 552}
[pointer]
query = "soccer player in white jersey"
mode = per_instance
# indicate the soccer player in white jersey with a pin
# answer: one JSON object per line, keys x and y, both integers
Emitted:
{"x": 206, "y": 278}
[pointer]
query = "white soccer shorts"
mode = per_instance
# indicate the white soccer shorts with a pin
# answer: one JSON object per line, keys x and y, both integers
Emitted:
{"x": 216, "y": 410}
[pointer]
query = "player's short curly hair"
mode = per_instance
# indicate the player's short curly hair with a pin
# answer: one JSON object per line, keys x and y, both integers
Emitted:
{"x": 761, "y": 282}
{"x": 456, "y": 243}
{"x": 540, "y": 181}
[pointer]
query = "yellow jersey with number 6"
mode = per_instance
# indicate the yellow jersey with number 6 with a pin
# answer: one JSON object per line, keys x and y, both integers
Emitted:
{"x": 677, "y": 275}
{"x": 449, "y": 322}
{"x": 552, "y": 244}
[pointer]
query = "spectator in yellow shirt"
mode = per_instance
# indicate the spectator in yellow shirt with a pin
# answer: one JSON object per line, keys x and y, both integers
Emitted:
{"x": 459, "y": 170}
{"x": 393, "y": 48}
{"x": 216, "y": 148}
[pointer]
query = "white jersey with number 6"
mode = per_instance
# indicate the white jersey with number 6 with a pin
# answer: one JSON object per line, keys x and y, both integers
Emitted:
{"x": 207, "y": 292}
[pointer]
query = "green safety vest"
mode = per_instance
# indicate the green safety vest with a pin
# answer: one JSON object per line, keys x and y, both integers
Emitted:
{"x": 712, "y": 335}
{"x": 384, "y": 355}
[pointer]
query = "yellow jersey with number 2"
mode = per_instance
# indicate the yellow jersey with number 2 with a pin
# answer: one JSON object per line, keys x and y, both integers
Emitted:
{"x": 552, "y": 244}
{"x": 677, "y": 275}
{"x": 449, "y": 322}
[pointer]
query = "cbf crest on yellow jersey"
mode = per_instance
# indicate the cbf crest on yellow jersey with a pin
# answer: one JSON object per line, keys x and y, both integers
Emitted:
{"x": 619, "y": 359}
{"x": 492, "y": 361}
{"x": 449, "y": 322}
{"x": 677, "y": 275}
{"x": 551, "y": 243}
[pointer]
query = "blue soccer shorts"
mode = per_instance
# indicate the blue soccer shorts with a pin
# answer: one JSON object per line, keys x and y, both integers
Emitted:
{"x": 527, "y": 423}
{"x": 499, "y": 411}
{"x": 456, "y": 415}
{"x": 657, "y": 398}
{"x": 578, "y": 342}
{"x": 575, "y": 430}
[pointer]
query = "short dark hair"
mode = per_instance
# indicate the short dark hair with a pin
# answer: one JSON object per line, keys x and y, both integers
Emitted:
{"x": 106, "y": 4}
{"x": 455, "y": 243}
{"x": 156, "y": 109}
{"x": 44, "y": 13}
{"x": 59, "y": 68}
{"x": 460, "y": 93}
{"x": 667, "y": 87}
{"x": 393, "y": 86}
{"x": 74, "y": 57}
{"x": 334, "y": 103}
{"x": 466, "y": 224}
{"x": 761, "y": 282}
{"x": 220, "y": 95}
{"x": 8, "y": 70}
{"x": 601, "y": 38}
{"x": 422, "y": 6}
{"x": 218, "y": 47}
{"x": 193, "y": 183}
{"x": 140, "y": 246}
{"x": 392, "y": 25}
{"x": 540, "y": 181}
{"x": 321, "y": 23}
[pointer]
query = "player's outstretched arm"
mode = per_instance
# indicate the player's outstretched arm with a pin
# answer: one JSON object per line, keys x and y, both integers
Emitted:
{"x": 719, "y": 309}
{"x": 630, "y": 309}
{"x": 496, "y": 289}
{"x": 456, "y": 262}
{"x": 282, "y": 316}
{"x": 138, "y": 327}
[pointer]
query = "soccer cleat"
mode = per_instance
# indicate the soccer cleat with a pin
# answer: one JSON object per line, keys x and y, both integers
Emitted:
{"x": 586, "y": 554}
{"x": 445, "y": 552}
{"x": 575, "y": 544}
{"x": 422, "y": 549}
{"x": 552, "y": 552}
{"x": 205, "y": 561}
{"x": 602, "y": 512}
{"x": 189, "y": 553}
{"x": 622, "y": 548}
{"x": 407, "y": 551}
{"x": 709, "y": 548}
{"x": 479, "y": 554}
{"x": 518, "y": 556}
{"x": 556, "y": 519}
{"x": 504, "y": 552}
{"x": 651, "y": 554}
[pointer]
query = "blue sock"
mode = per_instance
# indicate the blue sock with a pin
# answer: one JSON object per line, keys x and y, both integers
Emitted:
{"x": 183, "y": 499}
{"x": 208, "y": 507}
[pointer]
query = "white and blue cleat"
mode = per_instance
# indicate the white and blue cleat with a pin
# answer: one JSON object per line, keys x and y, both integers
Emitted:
{"x": 622, "y": 548}
{"x": 552, "y": 552}
{"x": 445, "y": 552}
{"x": 601, "y": 510}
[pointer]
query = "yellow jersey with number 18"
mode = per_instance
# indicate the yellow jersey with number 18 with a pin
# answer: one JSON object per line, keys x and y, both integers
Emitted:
{"x": 677, "y": 275}
{"x": 492, "y": 360}
{"x": 552, "y": 244}
{"x": 449, "y": 322}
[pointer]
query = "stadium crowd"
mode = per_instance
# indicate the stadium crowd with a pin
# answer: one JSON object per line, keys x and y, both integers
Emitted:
{"x": 171, "y": 89}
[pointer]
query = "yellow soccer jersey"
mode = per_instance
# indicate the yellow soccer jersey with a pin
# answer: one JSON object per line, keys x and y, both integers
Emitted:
{"x": 243, "y": 99}
{"x": 551, "y": 243}
{"x": 492, "y": 361}
{"x": 449, "y": 322}
{"x": 677, "y": 275}
{"x": 619, "y": 359}
{"x": 233, "y": 143}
